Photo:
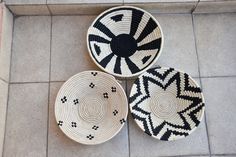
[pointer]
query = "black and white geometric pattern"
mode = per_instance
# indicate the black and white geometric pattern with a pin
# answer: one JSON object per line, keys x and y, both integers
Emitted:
{"x": 91, "y": 107}
{"x": 125, "y": 41}
{"x": 166, "y": 104}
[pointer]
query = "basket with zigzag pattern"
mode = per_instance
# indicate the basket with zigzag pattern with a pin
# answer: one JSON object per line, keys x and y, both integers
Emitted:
{"x": 166, "y": 104}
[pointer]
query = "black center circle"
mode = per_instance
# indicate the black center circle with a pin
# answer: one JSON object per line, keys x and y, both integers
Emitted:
{"x": 123, "y": 45}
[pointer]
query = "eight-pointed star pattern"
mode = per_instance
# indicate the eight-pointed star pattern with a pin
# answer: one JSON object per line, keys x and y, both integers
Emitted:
{"x": 188, "y": 99}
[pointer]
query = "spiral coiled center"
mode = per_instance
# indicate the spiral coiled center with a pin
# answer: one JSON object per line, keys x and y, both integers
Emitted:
{"x": 92, "y": 109}
{"x": 164, "y": 105}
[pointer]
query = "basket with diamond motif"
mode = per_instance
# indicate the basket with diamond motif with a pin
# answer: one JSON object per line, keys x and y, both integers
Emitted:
{"x": 166, "y": 104}
{"x": 125, "y": 41}
{"x": 91, "y": 107}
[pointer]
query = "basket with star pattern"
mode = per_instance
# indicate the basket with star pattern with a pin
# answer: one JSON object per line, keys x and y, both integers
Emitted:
{"x": 166, "y": 104}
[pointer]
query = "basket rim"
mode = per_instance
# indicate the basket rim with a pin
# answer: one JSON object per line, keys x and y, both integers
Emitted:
{"x": 141, "y": 71}
{"x": 122, "y": 92}
{"x": 203, "y": 101}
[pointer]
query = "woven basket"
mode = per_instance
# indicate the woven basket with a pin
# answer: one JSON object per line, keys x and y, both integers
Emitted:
{"x": 91, "y": 107}
{"x": 125, "y": 41}
{"x": 166, "y": 104}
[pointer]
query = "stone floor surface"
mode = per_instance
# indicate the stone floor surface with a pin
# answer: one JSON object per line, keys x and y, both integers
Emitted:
{"x": 47, "y": 50}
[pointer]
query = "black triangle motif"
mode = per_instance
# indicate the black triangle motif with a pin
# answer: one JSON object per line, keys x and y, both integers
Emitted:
{"x": 97, "y": 49}
{"x": 117, "y": 18}
{"x": 145, "y": 59}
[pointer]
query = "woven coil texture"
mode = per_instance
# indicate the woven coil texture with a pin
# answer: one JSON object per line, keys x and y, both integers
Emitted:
{"x": 91, "y": 107}
{"x": 125, "y": 41}
{"x": 167, "y": 104}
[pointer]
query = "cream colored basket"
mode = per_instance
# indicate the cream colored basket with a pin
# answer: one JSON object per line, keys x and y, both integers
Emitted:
{"x": 91, "y": 107}
{"x": 166, "y": 104}
{"x": 125, "y": 41}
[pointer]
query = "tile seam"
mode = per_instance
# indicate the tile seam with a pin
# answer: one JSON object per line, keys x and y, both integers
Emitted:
{"x": 49, "y": 10}
{"x": 49, "y": 84}
{"x": 194, "y": 8}
{"x": 230, "y": 76}
{"x": 128, "y": 131}
{"x": 229, "y": 154}
{"x": 199, "y": 72}
{"x": 187, "y": 155}
{"x": 8, "y": 93}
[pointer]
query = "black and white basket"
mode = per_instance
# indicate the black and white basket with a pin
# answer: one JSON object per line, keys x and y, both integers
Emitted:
{"x": 91, "y": 107}
{"x": 125, "y": 41}
{"x": 166, "y": 104}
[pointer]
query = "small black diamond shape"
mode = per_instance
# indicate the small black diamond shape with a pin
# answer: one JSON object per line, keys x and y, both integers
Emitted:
{"x": 90, "y": 137}
{"x": 113, "y": 89}
{"x": 60, "y": 123}
{"x": 122, "y": 121}
{"x": 91, "y": 85}
{"x": 94, "y": 73}
{"x": 95, "y": 127}
{"x": 115, "y": 112}
{"x": 76, "y": 101}
{"x": 73, "y": 124}
{"x": 105, "y": 95}
{"x": 64, "y": 99}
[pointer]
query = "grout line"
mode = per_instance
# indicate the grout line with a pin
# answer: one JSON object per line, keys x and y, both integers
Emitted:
{"x": 94, "y": 4}
{"x": 75, "y": 14}
{"x": 198, "y": 155}
{"x": 5, "y": 129}
{"x": 126, "y": 91}
{"x": 171, "y": 13}
{"x": 36, "y": 82}
{"x": 195, "y": 44}
{"x": 195, "y": 155}
{"x": 25, "y": 4}
{"x": 217, "y": 76}
{"x": 233, "y": 154}
{"x": 185, "y": 13}
{"x": 8, "y": 93}
{"x": 213, "y": 13}
{"x": 49, "y": 85}
{"x": 59, "y": 15}
{"x": 199, "y": 72}
{"x": 29, "y": 82}
{"x": 85, "y": 4}
{"x": 58, "y": 81}
{"x": 13, "y": 14}
{"x": 49, "y": 10}
{"x": 207, "y": 132}
{"x": 195, "y": 7}
{"x": 98, "y": 13}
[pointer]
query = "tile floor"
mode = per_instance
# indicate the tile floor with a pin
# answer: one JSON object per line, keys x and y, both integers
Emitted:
{"x": 46, "y": 51}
